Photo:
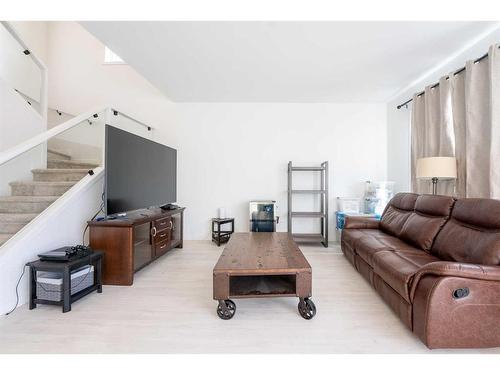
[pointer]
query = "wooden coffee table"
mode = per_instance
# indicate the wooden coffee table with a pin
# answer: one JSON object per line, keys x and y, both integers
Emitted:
{"x": 255, "y": 265}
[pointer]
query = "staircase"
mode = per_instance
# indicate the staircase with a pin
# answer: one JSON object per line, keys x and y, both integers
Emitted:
{"x": 29, "y": 198}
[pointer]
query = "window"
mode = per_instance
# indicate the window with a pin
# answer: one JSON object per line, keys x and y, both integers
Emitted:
{"x": 111, "y": 58}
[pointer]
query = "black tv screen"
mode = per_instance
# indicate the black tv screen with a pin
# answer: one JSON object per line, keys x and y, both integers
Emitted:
{"x": 139, "y": 173}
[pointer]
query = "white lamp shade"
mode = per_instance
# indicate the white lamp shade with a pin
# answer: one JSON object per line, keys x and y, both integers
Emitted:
{"x": 440, "y": 167}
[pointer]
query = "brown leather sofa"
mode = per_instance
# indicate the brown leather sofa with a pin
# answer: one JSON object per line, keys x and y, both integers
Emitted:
{"x": 436, "y": 262}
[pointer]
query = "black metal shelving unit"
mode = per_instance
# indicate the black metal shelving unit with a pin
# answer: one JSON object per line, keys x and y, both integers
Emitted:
{"x": 322, "y": 214}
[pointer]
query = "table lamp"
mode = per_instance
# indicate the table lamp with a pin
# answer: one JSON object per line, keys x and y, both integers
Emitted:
{"x": 435, "y": 169}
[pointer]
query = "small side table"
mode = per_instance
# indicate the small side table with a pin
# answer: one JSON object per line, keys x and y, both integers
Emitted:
{"x": 221, "y": 236}
{"x": 65, "y": 268}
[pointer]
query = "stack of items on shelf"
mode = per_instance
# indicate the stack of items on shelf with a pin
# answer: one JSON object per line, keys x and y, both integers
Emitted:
{"x": 376, "y": 197}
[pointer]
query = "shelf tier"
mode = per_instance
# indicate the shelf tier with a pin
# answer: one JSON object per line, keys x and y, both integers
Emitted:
{"x": 308, "y": 191}
{"x": 308, "y": 169}
{"x": 308, "y": 237}
{"x": 308, "y": 214}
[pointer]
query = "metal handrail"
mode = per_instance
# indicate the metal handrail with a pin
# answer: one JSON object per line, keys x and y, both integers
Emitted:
{"x": 39, "y": 139}
{"x": 43, "y": 70}
{"x": 116, "y": 112}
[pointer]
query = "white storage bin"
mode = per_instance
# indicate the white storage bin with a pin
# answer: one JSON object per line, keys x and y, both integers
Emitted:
{"x": 49, "y": 284}
{"x": 349, "y": 205}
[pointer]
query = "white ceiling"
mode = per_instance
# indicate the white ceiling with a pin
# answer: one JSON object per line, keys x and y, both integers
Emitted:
{"x": 283, "y": 61}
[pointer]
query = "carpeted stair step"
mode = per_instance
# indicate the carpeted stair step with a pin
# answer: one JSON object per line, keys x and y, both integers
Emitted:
{"x": 13, "y": 223}
{"x": 59, "y": 174}
{"x": 57, "y": 155}
{"x": 25, "y": 204}
{"x": 70, "y": 164}
{"x": 44, "y": 188}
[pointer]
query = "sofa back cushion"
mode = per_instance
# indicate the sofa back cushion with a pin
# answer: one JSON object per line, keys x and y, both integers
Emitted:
{"x": 396, "y": 213}
{"x": 472, "y": 235}
{"x": 422, "y": 226}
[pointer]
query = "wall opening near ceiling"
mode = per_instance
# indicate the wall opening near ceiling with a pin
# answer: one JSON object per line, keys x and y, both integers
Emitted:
{"x": 111, "y": 58}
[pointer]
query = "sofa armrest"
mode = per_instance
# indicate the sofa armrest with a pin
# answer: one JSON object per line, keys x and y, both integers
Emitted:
{"x": 356, "y": 222}
{"x": 465, "y": 270}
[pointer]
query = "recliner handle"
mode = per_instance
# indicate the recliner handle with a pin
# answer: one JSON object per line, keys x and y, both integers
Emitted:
{"x": 460, "y": 293}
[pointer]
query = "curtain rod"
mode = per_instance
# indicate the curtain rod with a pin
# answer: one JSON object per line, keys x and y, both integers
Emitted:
{"x": 447, "y": 77}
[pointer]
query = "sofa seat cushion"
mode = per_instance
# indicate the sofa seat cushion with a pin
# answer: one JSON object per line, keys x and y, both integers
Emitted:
{"x": 350, "y": 236}
{"x": 377, "y": 233}
{"x": 417, "y": 257}
{"x": 394, "y": 243}
{"x": 367, "y": 246}
{"x": 397, "y": 268}
{"x": 371, "y": 243}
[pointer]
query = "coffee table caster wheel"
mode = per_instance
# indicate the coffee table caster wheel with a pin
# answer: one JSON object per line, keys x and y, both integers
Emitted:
{"x": 226, "y": 309}
{"x": 307, "y": 309}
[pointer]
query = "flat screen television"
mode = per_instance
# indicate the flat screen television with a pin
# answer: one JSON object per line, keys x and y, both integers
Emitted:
{"x": 139, "y": 173}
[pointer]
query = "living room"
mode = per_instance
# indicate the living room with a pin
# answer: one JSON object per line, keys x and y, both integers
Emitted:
{"x": 193, "y": 166}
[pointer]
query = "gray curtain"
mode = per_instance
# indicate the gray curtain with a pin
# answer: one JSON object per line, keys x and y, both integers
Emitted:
{"x": 494, "y": 60}
{"x": 432, "y": 132}
{"x": 461, "y": 117}
{"x": 457, "y": 84}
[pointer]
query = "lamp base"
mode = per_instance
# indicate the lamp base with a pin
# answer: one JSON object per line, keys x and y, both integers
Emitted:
{"x": 434, "y": 185}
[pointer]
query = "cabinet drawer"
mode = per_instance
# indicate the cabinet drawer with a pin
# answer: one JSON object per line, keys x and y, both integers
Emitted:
{"x": 161, "y": 236}
{"x": 162, "y": 247}
{"x": 165, "y": 223}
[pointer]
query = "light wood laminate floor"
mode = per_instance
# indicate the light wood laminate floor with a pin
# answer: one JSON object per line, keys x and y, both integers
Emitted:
{"x": 169, "y": 309}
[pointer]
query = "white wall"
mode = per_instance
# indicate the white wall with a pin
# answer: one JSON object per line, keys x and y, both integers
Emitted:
{"x": 18, "y": 69}
{"x": 229, "y": 154}
{"x": 398, "y": 147}
{"x": 398, "y": 120}
{"x": 34, "y": 34}
{"x": 18, "y": 120}
{"x": 78, "y": 79}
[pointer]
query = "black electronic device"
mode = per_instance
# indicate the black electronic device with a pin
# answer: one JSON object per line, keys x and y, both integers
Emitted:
{"x": 169, "y": 207}
{"x": 66, "y": 253}
{"x": 139, "y": 173}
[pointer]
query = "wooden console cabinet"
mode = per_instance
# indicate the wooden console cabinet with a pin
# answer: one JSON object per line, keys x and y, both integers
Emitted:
{"x": 132, "y": 242}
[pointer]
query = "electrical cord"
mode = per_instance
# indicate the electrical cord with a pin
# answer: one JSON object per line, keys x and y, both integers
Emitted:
{"x": 101, "y": 209}
{"x": 17, "y": 293}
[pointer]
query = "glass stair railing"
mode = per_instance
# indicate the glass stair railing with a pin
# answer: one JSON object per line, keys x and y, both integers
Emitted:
{"x": 35, "y": 173}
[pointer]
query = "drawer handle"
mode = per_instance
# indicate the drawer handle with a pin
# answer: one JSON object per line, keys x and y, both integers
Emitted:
{"x": 171, "y": 225}
{"x": 161, "y": 247}
{"x": 163, "y": 235}
{"x": 163, "y": 223}
{"x": 153, "y": 231}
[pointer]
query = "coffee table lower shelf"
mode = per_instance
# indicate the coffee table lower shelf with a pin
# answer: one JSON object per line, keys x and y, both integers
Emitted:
{"x": 265, "y": 285}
